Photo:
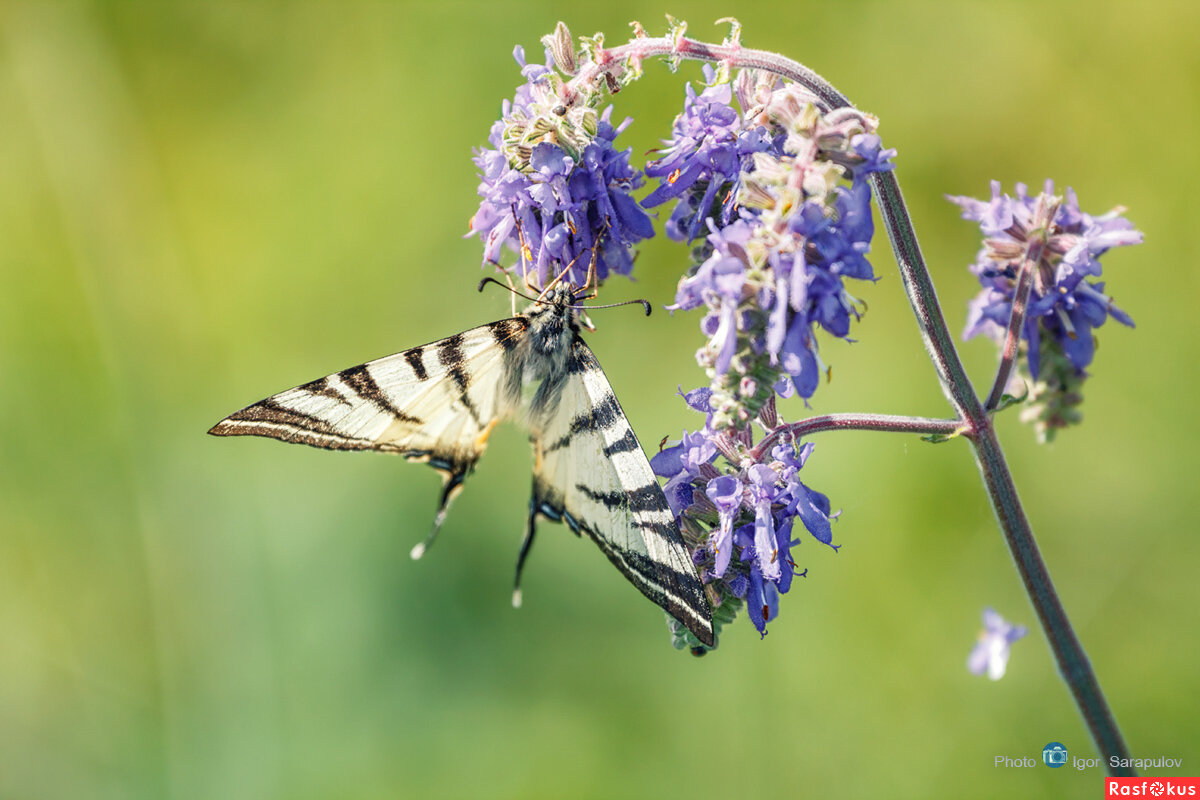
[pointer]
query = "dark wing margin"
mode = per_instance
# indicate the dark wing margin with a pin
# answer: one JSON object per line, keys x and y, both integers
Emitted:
{"x": 590, "y": 472}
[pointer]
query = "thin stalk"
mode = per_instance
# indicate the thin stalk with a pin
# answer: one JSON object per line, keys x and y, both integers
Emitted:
{"x": 1012, "y": 336}
{"x": 1035, "y": 243}
{"x": 1072, "y": 661}
{"x": 888, "y": 423}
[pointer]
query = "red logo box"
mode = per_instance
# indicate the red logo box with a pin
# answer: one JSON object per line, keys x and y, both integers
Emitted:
{"x": 1152, "y": 787}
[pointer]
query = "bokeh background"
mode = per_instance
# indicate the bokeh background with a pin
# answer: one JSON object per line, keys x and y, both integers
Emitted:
{"x": 204, "y": 204}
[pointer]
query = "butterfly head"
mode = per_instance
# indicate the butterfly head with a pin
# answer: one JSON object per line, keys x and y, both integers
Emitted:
{"x": 563, "y": 296}
{"x": 553, "y": 320}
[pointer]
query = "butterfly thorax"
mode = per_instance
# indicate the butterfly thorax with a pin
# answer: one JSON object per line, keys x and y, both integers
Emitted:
{"x": 537, "y": 372}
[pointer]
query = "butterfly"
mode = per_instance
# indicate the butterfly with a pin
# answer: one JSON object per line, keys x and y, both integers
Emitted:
{"x": 438, "y": 403}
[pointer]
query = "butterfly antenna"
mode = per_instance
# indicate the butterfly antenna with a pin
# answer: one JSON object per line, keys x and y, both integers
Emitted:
{"x": 515, "y": 293}
{"x": 645, "y": 305}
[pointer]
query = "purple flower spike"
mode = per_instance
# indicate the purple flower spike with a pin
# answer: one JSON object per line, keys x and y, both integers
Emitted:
{"x": 555, "y": 188}
{"x": 995, "y": 641}
{"x": 739, "y": 517}
{"x": 1065, "y": 304}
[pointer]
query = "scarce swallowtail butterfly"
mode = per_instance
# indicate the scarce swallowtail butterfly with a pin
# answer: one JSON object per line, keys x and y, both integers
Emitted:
{"x": 438, "y": 403}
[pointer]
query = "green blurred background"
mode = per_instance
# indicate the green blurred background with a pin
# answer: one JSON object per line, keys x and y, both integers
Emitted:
{"x": 206, "y": 203}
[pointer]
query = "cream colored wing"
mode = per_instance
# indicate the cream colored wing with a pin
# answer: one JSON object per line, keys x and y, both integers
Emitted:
{"x": 435, "y": 404}
{"x": 590, "y": 472}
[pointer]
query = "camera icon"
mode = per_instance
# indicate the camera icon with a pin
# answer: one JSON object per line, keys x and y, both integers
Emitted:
{"x": 1054, "y": 755}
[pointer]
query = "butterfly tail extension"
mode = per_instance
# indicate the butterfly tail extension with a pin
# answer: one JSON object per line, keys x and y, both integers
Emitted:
{"x": 453, "y": 476}
{"x": 538, "y": 506}
{"x": 526, "y": 545}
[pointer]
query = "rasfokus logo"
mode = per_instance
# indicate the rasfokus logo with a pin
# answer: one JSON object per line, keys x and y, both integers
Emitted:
{"x": 1151, "y": 787}
{"x": 1054, "y": 755}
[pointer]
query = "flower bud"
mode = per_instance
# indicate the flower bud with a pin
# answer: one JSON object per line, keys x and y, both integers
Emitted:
{"x": 562, "y": 48}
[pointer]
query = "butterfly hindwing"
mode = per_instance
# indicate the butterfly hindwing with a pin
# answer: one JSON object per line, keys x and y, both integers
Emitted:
{"x": 590, "y": 472}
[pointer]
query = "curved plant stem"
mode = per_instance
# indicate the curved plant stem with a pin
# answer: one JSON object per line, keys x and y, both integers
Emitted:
{"x": 973, "y": 419}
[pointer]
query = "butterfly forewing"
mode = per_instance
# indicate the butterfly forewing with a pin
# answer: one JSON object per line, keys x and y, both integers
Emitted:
{"x": 434, "y": 403}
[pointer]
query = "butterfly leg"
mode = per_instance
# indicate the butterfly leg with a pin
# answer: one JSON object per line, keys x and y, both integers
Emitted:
{"x": 453, "y": 476}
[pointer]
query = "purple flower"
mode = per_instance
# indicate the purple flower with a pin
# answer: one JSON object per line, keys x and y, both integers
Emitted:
{"x": 680, "y": 464}
{"x": 762, "y": 600}
{"x": 555, "y": 188}
{"x": 995, "y": 640}
{"x": 704, "y": 158}
{"x": 726, "y": 494}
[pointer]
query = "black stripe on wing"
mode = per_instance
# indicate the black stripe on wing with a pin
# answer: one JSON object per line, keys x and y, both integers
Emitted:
{"x": 508, "y": 332}
{"x": 450, "y": 355}
{"x": 359, "y": 379}
{"x": 416, "y": 359}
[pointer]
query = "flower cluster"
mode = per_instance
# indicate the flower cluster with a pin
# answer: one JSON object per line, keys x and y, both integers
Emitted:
{"x": 739, "y": 521}
{"x": 703, "y": 161}
{"x": 555, "y": 188}
{"x": 1065, "y": 304}
{"x": 783, "y": 191}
